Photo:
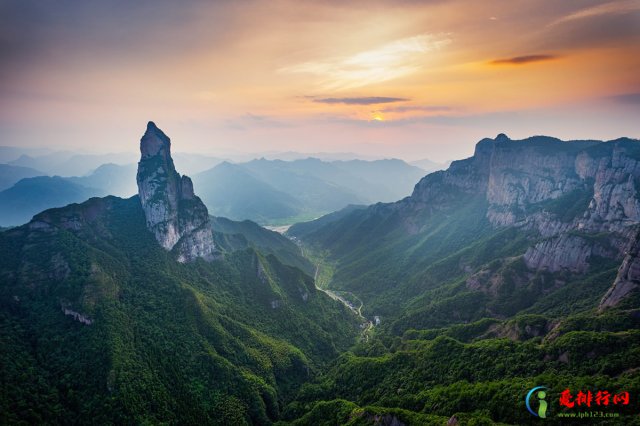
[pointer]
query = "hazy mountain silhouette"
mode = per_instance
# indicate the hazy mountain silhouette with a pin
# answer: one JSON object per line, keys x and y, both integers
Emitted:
{"x": 29, "y": 196}
{"x": 9, "y": 175}
{"x": 278, "y": 191}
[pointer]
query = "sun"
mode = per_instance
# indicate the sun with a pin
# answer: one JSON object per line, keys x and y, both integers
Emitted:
{"x": 376, "y": 116}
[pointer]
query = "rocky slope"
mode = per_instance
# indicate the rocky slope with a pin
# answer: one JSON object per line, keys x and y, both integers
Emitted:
{"x": 628, "y": 278}
{"x": 176, "y": 216}
{"x": 580, "y": 197}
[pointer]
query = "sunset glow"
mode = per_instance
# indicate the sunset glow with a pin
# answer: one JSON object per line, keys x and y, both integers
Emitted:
{"x": 305, "y": 76}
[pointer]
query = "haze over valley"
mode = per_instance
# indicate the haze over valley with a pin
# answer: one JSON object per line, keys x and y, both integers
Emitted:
{"x": 269, "y": 192}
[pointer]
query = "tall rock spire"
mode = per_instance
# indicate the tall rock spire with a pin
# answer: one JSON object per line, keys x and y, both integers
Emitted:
{"x": 176, "y": 216}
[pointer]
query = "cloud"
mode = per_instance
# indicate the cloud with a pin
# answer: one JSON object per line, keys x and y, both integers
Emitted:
{"x": 252, "y": 121}
{"x": 612, "y": 25}
{"x": 523, "y": 60}
{"x": 417, "y": 108}
{"x": 364, "y": 100}
{"x": 611, "y": 8}
{"x": 390, "y": 61}
{"x": 627, "y": 98}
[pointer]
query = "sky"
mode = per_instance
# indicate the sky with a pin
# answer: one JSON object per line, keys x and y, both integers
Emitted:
{"x": 399, "y": 78}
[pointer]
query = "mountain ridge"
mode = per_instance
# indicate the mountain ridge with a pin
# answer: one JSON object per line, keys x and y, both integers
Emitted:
{"x": 283, "y": 192}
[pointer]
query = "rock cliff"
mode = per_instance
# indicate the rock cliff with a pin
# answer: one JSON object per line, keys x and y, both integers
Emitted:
{"x": 579, "y": 197}
{"x": 628, "y": 278}
{"x": 176, "y": 216}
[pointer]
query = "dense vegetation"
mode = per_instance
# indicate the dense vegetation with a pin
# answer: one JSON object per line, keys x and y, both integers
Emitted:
{"x": 231, "y": 236}
{"x": 220, "y": 343}
{"x": 486, "y": 379}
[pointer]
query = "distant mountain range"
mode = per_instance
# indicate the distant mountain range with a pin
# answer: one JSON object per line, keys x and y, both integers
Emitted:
{"x": 276, "y": 191}
{"x": 112, "y": 179}
{"x": 69, "y": 163}
{"x": 430, "y": 166}
{"x": 63, "y": 163}
{"x": 294, "y": 155}
{"x": 29, "y": 196}
{"x": 10, "y": 175}
{"x": 266, "y": 191}
{"x": 11, "y": 153}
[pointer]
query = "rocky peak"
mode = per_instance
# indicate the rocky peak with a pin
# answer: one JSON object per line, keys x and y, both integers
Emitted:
{"x": 186, "y": 187}
{"x": 176, "y": 216}
{"x": 502, "y": 138}
{"x": 155, "y": 142}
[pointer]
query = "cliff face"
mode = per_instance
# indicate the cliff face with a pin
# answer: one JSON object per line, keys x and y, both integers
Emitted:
{"x": 628, "y": 278}
{"x": 580, "y": 198}
{"x": 176, "y": 216}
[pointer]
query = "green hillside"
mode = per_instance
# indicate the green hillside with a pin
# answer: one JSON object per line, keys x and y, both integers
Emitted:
{"x": 231, "y": 236}
{"x": 98, "y": 322}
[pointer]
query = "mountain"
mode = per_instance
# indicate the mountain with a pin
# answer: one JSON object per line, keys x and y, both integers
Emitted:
{"x": 9, "y": 175}
{"x": 10, "y": 153}
{"x": 353, "y": 181}
{"x": 293, "y": 155}
{"x": 311, "y": 181}
{"x": 68, "y": 163}
{"x": 138, "y": 311}
{"x": 388, "y": 180}
{"x": 231, "y": 236}
{"x": 113, "y": 179}
{"x": 562, "y": 205}
{"x": 514, "y": 268}
{"x": 276, "y": 191}
{"x": 231, "y": 191}
{"x": 29, "y": 196}
{"x": 195, "y": 163}
{"x": 429, "y": 165}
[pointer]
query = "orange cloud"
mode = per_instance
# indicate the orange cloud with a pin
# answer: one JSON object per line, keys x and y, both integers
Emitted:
{"x": 523, "y": 60}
